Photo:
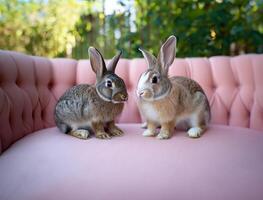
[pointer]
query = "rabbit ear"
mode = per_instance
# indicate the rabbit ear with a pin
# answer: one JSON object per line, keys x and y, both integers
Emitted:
{"x": 167, "y": 53}
{"x": 97, "y": 62}
{"x": 113, "y": 63}
{"x": 151, "y": 60}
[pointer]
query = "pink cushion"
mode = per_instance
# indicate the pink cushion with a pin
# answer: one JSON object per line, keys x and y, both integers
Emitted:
{"x": 30, "y": 87}
{"x": 225, "y": 164}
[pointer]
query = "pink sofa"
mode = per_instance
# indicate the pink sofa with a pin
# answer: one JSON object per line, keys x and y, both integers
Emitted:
{"x": 39, "y": 162}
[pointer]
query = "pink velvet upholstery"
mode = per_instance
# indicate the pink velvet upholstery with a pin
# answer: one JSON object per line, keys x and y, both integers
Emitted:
{"x": 225, "y": 163}
{"x": 30, "y": 87}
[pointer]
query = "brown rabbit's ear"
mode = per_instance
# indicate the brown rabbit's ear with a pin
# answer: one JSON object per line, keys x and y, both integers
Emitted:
{"x": 151, "y": 60}
{"x": 97, "y": 62}
{"x": 167, "y": 53}
{"x": 113, "y": 63}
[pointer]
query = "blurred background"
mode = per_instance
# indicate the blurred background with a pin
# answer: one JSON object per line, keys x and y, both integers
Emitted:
{"x": 66, "y": 28}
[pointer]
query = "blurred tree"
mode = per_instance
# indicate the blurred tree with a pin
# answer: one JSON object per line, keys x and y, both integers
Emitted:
{"x": 69, "y": 27}
{"x": 102, "y": 31}
{"x": 203, "y": 28}
{"x": 39, "y": 27}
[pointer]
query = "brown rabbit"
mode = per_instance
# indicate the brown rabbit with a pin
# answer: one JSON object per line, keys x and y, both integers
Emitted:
{"x": 167, "y": 101}
{"x": 93, "y": 106}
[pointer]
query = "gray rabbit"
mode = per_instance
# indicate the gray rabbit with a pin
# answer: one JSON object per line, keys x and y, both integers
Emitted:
{"x": 93, "y": 106}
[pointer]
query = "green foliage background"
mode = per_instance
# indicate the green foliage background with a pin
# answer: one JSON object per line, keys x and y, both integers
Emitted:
{"x": 57, "y": 28}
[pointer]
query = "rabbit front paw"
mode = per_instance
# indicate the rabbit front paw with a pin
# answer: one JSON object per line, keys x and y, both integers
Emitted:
{"x": 163, "y": 135}
{"x": 103, "y": 135}
{"x": 149, "y": 133}
{"x": 195, "y": 132}
{"x": 115, "y": 131}
{"x": 80, "y": 133}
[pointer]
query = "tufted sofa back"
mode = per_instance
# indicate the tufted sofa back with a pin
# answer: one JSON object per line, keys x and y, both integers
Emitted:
{"x": 30, "y": 87}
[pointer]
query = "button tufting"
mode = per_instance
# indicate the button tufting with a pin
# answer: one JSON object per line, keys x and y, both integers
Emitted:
{"x": 17, "y": 82}
{"x": 42, "y": 114}
{"x": 228, "y": 114}
{"x": 228, "y": 84}
{"x": 50, "y": 85}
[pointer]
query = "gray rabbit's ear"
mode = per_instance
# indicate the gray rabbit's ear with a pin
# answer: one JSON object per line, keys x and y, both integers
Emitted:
{"x": 151, "y": 59}
{"x": 113, "y": 63}
{"x": 97, "y": 62}
{"x": 167, "y": 53}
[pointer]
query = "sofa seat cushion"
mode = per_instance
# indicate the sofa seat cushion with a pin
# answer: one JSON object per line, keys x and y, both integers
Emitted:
{"x": 225, "y": 163}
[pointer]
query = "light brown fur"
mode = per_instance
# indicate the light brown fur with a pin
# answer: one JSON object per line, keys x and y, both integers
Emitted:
{"x": 183, "y": 100}
{"x": 167, "y": 101}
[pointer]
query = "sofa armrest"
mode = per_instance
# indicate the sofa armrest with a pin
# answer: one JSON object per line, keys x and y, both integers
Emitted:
{"x": 29, "y": 89}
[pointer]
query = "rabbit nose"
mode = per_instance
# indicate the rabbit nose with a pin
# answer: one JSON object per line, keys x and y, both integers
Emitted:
{"x": 144, "y": 93}
{"x": 124, "y": 97}
{"x": 121, "y": 96}
{"x": 141, "y": 93}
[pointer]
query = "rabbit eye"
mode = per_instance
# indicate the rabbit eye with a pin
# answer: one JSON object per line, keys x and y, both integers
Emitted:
{"x": 108, "y": 84}
{"x": 154, "y": 79}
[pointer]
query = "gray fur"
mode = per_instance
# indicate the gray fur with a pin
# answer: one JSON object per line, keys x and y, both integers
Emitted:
{"x": 83, "y": 105}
